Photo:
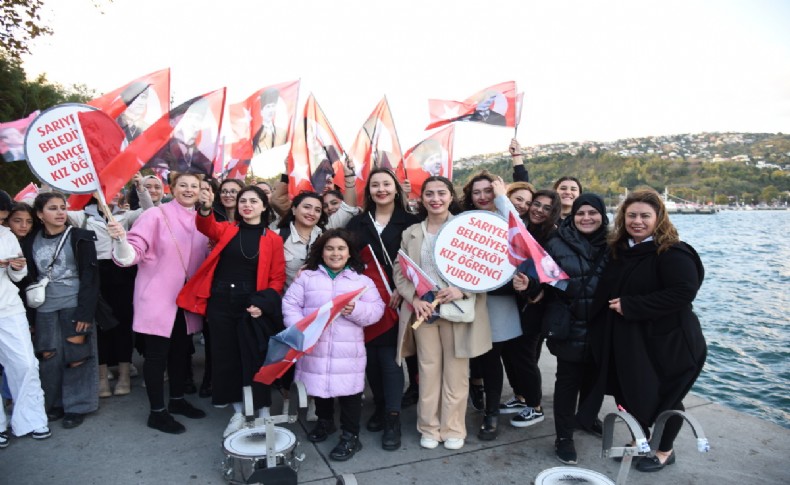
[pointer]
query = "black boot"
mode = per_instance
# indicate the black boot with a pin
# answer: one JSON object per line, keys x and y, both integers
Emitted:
{"x": 376, "y": 422}
{"x": 488, "y": 430}
{"x": 390, "y": 440}
{"x": 323, "y": 428}
{"x": 348, "y": 446}
{"x": 411, "y": 396}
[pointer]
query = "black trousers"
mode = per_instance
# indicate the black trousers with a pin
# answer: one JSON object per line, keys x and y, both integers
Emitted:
{"x": 489, "y": 367}
{"x": 520, "y": 357}
{"x": 573, "y": 384}
{"x": 227, "y": 309}
{"x": 163, "y": 353}
{"x": 385, "y": 377}
{"x": 350, "y": 411}
{"x": 117, "y": 287}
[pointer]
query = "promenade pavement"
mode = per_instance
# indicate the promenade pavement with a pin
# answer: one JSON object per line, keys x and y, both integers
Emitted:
{"x": 114, "y": 446}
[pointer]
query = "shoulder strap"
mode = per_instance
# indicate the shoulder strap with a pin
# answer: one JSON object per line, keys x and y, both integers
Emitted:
{"x": 180, "y": 256}
{"x": 387, "y": 258}
{"x": 285, "y": 232}
{"x": 59, "y": 247}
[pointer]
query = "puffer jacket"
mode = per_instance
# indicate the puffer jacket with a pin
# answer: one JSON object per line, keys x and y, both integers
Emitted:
{"x": 336, "y": 365}
{"x": 567, "y": 313}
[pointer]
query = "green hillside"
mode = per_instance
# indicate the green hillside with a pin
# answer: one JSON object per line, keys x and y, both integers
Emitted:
{"x": 696, "y": 179}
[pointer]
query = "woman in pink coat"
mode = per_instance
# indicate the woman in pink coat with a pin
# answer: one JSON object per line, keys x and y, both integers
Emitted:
{"x": 167, "y": 249}
{"x": 336, "y": 365}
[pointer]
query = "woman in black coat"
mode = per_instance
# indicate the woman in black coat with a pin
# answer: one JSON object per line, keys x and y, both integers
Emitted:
{"x": 648, "y": 343}
{"x": 578, "y": 247}
{"x": 381, "y": 225}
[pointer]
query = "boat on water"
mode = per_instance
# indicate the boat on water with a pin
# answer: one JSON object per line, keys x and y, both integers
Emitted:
{"x": 685, "y": 206}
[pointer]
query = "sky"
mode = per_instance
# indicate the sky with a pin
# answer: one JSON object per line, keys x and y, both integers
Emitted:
{"x": 595, "y": 71}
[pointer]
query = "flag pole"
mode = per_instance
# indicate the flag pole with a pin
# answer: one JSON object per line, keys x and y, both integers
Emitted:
{"x": 92, "y": 168}
{"x": 420, "y": 321}
{"x": 397, "y": 138}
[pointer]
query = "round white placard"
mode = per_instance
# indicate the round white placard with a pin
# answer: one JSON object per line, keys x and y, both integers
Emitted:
{"x": 471, "y": 252}
{"x": 56, "y": 151}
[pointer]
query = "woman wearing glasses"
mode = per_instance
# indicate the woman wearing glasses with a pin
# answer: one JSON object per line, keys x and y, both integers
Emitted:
{"x": 225, "y": 204}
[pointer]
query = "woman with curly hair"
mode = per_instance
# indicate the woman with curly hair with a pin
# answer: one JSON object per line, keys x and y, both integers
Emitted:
{"x": 647, "y": 341}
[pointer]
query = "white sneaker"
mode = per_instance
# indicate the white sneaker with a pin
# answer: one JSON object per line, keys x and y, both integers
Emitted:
{"x": 428, "y": 443}
{"x": 453, "y": 443}
{"x": 110, "y": 375}
{"x": 133, "y": 372}
{"x": 235, "y": 424}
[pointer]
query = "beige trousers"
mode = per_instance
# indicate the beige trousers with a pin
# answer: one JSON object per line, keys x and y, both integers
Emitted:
{"x": 444, "y": 383}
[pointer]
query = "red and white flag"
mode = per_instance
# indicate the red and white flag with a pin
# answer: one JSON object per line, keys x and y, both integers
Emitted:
{"x": 315, "y": 157}
{"x": 28, "y": 193}
{"x": 259, "y": 123}
{"x": 519, "y": 106}
{"x": 375, "y": 272}
{"x": 139, "y": 103}
{"x": 291, "y": 344}
{"x": 377, "y": 145}
{"x": 494, "y": 105}
{"x": 12, "y": 137}
{"x": 161, "y": 142}
{"x": 522, "y": 247}
{"x": 422, "y": 282}
{"x": 432, "y": 156}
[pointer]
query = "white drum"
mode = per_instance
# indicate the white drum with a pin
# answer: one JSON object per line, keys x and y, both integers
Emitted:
{"x": 562, "y": 475}
{"x": 245, "y": 452}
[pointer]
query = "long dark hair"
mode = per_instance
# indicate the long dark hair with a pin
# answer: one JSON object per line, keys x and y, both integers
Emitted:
{"x": 289, "y": 215}
{"x": 316, "y": 256}
{"x": 218, "y": 207}
{"x": 400, "y": 196}
{"x": 541, "y": 232}
{"x": 455, "y": 207}
{"x": 568, "y": 178}
{"x": 22, "y": 207}
{"x": 467, "y": 203}
{"x": 43, "y": 198}
{"x": 266, "y": 216}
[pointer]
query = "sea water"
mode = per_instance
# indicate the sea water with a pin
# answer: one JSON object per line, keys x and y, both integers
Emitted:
{"x": 743, "y": 306}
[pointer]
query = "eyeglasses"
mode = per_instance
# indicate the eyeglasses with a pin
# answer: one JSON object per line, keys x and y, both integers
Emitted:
{"x": 544, "y": 207}
{"x": 228, "y": 192}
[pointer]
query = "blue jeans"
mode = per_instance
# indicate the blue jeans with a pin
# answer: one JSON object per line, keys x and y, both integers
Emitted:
{"x": 69, "y": 371}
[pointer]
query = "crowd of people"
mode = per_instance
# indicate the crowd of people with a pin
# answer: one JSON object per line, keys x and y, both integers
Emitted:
{"x": 241, "y": 262}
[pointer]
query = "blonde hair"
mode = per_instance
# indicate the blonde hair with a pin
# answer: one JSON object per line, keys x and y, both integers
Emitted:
{"x": 665, "y": 235}
{"x": 516, "y": 186}
{"x": 174, "y": 176}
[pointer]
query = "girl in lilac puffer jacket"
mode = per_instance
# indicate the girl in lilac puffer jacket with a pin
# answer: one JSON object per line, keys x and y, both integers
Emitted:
{"x": 336, "y": 365}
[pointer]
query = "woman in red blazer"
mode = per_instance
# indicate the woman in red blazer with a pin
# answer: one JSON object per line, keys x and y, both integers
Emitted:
{"x": 239, "y": 283}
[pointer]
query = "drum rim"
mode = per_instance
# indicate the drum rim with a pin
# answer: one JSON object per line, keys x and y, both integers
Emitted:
{"x": 291, "y": 443}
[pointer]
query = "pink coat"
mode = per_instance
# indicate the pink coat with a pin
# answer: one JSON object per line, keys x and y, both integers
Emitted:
{"x": 160, "y": 274}
{"x": 336, "y": 365}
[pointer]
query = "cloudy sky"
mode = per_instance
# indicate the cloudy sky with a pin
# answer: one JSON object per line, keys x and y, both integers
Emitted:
{"x": 597, "y": 70}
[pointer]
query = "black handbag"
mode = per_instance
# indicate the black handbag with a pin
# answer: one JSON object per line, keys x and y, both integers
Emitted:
{"x": 104, "y": 317}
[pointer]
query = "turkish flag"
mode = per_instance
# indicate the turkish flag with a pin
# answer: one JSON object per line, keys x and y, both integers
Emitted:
{"x": 422, "y": 282}
{"x": 494, "y": 105}
{"x": 315, "y": 156}
{"x": 261, "y": 122}
{"x": 291, "y": 344}
{"x": 29, "y": 192}
{"x": 156, "y": 138}
{"x": 375, "y": 272}
{"x": 432, "y": 156}
{"x": 104, "y": 139}
{"x": 139, "y": 103}
{"x": 376, "y": 145}
{"x": 522, "y": 247}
